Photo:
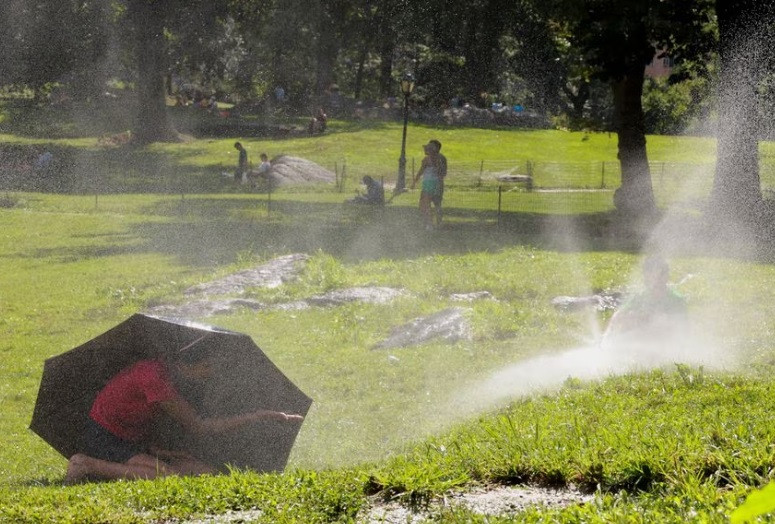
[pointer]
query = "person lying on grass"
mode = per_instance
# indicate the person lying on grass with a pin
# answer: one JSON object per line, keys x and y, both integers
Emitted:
{"x": 658, "y": 313}
{"x": 123, "y": 417}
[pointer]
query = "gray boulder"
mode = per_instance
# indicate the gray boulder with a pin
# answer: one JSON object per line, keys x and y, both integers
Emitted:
{"x": 449, "y": 325}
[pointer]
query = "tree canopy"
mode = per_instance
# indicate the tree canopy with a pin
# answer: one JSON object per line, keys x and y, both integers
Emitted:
{"x": 555, "y": 58}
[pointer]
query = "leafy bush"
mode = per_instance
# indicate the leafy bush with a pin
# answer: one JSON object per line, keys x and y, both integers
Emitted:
{"x": 672, "y": 108}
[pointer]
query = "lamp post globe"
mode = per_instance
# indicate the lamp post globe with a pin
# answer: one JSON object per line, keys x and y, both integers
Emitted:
{"x": 407, "y": 86}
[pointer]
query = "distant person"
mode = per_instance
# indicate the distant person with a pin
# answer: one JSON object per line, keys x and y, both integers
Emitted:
{"x": 318, "y": 123}
{"x": 264, "y": 166}
{"x": 657, "y": 313}
{"x": 118, "y": 441}
{"x": 279, "y": 94}
{"x": 432, "y": 170}
{"x": 44, "y": 161}
{"x": 240, "y": 175}
{"x": 439, "y": 196}
{"x": 375, "y": 193}
{"x": 263, "y": 169}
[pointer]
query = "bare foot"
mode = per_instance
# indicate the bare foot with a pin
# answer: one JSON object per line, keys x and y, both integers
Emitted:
{"x": 76, "y": 469}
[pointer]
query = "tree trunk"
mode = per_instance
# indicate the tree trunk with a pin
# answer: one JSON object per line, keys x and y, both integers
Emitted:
{"x": 636, "y": 195}
{"x": 481, "y": 50}
{"x": 151, "y": 122}
{"x": 736, "y": 185}
{"x": 386, "y": 48}
{"x": 363, "y": 55}
{"x": 327, "y": 49}
{"x": 578, "y": 100}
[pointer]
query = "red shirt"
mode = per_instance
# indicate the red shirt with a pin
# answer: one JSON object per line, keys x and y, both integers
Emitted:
{"x": 126, "y": 406}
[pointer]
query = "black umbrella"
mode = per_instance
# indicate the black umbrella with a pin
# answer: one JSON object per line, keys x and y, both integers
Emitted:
{"x": 246, "y": 380}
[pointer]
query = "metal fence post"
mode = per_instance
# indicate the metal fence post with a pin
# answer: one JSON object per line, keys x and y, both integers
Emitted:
{"x": 500, "y": 200}
{"x": 602, "y": 175}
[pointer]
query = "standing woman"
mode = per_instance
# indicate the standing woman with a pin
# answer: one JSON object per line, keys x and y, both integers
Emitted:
{"x": 431, "y": 170}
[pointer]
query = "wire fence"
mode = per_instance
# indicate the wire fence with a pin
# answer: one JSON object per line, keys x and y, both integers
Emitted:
{"x": 555, "y": 187}
{"x": 494, "y": 188}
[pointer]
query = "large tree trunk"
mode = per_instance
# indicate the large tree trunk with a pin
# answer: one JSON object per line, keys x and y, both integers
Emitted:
{"x": 736, "y": 185}
{"x": 152, "y": 123}
{"x": 635, "y": 196}
{"x": 329, "y": 20}
{"x": 386, "y": 48}
{"x": 480, "y": 50}
{"x": 358, "y": 84}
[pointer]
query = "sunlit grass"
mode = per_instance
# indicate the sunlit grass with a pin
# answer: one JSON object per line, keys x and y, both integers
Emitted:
{"x": 672, "y": 445}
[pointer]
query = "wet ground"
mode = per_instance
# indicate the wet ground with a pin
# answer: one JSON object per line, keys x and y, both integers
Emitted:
{"x": 503, "y": 501}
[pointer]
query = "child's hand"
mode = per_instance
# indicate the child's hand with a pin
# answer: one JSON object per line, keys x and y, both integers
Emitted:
{"x": 293, "y": 417}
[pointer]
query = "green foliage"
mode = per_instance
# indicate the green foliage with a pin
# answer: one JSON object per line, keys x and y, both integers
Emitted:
{"x": 758, "y": 503}
{"x": 671, "y": 108}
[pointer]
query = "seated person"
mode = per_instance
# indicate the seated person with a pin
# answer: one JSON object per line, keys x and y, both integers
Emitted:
{"x": 375, "y": 193}
{"x": 264, "y": 166}
{"x": 658, "y": 314}
{"x": 318, "y": 123}
{"x": 262, "y": 171}
{"x": 126, "y": 412}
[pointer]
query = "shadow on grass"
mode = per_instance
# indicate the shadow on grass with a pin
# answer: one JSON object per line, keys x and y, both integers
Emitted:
{"x": 216, "y": 230}
{"x": 219, "y": 229}
{"x": 78, "y": 170}
{"x": 41, "y": 482}
{"x": 24, "y": 117}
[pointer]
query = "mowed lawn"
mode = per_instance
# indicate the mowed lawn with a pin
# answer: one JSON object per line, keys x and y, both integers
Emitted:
{"x": 674, "y": 444}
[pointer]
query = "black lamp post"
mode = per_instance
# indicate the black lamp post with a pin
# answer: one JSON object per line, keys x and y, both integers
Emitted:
{"x": 407, "y": 85}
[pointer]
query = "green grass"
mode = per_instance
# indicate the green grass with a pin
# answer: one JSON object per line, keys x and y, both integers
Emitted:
{"x": 682, "y": 167}
{"x": 672, "y": 445}
{"x": 559, "y": 158}
{"x": 72, "y": 269}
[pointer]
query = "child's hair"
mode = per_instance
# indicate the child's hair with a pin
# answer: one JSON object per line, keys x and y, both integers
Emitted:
{"x": 264, "y": 156}
{"x": 237, "y": 144}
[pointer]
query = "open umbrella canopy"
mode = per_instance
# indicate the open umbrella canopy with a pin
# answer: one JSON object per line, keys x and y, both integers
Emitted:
{"x": 245, "y": 380}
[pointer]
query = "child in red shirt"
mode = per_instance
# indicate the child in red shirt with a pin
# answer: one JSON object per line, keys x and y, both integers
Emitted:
{"x": 124, "y": 412}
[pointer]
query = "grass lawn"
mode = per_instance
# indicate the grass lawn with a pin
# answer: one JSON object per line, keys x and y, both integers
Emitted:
{"x": 674, "y": 444}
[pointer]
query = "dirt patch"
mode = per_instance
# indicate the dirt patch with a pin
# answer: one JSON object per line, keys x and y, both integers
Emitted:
{"x": 504, "y": 501}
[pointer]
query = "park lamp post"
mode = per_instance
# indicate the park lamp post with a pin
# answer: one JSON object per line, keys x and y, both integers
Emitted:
{"x": 407, "y": 85}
